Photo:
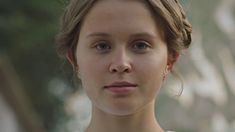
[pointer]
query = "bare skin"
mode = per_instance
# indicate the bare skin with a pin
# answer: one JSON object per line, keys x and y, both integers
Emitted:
{"x": 141, "y": 121}
{"x": 120, "y": 41}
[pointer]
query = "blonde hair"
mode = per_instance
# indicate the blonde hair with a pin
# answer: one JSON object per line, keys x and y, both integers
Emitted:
{"x": 176, "y": 28}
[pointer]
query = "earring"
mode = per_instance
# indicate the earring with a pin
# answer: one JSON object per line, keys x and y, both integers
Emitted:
{"x": 164, "y": 76}
{"x": 165, "y": 72}
{"x": 77, "y": 72}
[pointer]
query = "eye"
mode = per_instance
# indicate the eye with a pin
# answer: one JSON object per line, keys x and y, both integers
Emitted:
{"x": 102, "y": 46}
{"x": 141, "y": 45}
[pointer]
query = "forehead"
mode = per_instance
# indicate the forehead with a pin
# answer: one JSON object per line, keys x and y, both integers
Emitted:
{"x": 108, "y": 7}
{"x": 128, "y": 14}
{"x": 120, "y": 5}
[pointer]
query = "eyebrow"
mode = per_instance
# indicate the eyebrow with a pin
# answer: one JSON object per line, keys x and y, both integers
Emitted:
{"x": 140, "y": 34}
{"x": 95, "y": 34}
{"x": 144, "y": 34}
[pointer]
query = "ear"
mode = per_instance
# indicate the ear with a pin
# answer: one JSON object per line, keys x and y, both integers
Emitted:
{"x": 172, "y": 58}
{"x": 71, "y": 58}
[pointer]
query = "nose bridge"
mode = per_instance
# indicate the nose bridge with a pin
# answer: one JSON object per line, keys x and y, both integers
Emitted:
{"x": 120, "y": 60}
{"x": 121, "y": 55}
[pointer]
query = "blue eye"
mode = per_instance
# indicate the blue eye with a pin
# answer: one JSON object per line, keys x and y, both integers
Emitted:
{"x": 141, "y": 45}
{"x": 102, "y": 46}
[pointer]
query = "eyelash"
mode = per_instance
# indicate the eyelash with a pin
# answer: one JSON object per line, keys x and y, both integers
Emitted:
{"x": 99, "y": 44}
{"x": 133, "y": 45}
{"x": 143, "y": 43}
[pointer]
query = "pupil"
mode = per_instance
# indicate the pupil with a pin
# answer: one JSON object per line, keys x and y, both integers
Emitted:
{"x": 103, "y": 46}
{"x": 141, "y": 45}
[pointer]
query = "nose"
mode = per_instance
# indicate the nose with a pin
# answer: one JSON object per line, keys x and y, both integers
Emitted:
{"x": 120, "y": 63}
{"x": 120, "y": 69}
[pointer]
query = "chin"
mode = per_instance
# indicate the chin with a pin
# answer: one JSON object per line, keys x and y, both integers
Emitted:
{"x": 121, "y": 110}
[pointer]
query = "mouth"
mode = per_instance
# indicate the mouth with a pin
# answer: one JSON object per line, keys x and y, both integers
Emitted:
{"x": 121, "y": 87}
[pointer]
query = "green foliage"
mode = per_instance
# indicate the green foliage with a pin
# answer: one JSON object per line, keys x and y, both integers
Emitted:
{"x": 27, "y": 31}
{"x": 28, "y": 28}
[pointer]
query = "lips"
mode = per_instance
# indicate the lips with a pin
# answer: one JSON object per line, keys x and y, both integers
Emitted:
{"x": 121, "y": 87}
{"x": 121, "y": 84}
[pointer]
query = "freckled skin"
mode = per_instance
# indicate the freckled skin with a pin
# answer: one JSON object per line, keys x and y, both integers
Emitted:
{"x": 120, "y": 41}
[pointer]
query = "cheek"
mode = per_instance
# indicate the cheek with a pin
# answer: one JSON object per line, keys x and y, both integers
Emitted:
{"x": 152, "y": 67}
{"x": 150, "y": 74}
{"x": 91, "y": 71}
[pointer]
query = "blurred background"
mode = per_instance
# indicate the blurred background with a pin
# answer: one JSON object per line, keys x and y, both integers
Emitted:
{"x": 38, "y": 92}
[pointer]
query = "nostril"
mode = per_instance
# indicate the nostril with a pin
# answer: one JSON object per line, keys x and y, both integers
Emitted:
{"x": 127, "y": 70}
{"x": 114, "y": 70}
{"x": 120, "y": 69}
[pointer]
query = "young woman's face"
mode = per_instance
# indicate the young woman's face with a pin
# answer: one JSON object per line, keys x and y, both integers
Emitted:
{"x": 121, "y": 56}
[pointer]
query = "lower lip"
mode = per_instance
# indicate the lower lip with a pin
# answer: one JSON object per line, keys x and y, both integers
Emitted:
{"x": 120, "y": 90}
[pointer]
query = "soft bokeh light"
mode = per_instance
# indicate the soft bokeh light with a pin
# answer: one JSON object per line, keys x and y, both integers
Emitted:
{"x": 39, "y": 93}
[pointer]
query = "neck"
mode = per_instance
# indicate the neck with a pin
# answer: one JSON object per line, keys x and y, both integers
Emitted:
{"x": 143, "y": 120}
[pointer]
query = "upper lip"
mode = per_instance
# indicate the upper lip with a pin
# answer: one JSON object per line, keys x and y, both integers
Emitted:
{"x": 121, "y": 84}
